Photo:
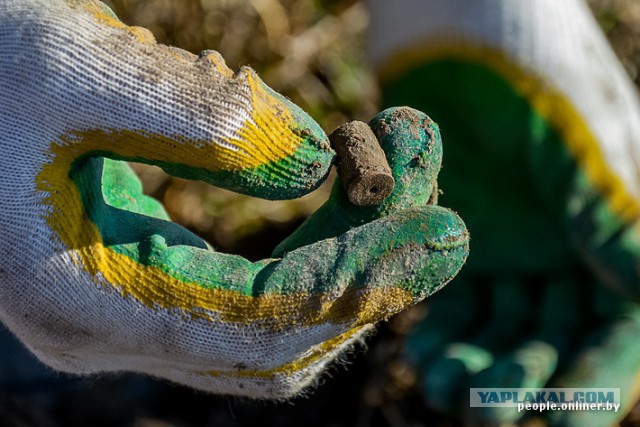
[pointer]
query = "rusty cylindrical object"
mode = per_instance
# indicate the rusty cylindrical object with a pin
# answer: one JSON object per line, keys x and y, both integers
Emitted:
{"x": 362, "y": 166}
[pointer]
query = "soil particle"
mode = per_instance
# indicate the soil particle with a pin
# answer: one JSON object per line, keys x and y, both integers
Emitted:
{"x": 362, "y": 166}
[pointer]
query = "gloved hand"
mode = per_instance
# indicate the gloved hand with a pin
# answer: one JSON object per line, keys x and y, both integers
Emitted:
{"x": 94, "y": 277}
{"x": 542, "y": 132}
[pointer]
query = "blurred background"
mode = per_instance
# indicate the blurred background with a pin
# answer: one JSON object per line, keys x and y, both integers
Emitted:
{"x": 313, "y": 52}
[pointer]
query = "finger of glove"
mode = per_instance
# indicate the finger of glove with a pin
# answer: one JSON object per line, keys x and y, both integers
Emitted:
{"x": 113, "y": 202}
{"x": 608, "y": 242}
{"x": 412, "y": 145}
{"x": 609, "y": 358}
{"x": 446, "y": 379}
{"x": 108, "y": 89}
{"x": 451, "y": 313}
{"x": 455, "y": 314}
{"x": 122, "y": 189}
{"x": 261, "y": 330}
{"x": 533, "y": 358}
{"x": 529, "y": 364}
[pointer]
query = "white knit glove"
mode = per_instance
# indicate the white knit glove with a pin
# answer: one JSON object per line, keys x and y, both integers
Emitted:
{"x": 542, "y": 160}
{"x": 93, "y": 275}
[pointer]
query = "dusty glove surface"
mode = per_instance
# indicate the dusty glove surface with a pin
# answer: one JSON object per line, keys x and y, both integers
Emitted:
{"x": 541, "y": 126}
{"x": 94, "y": 275}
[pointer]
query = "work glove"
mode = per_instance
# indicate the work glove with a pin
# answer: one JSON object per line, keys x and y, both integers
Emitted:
{"x": 542, "y": 131}
{"x": 94, "y": 276}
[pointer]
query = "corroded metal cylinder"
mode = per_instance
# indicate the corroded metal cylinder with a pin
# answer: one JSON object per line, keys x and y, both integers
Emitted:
{"x": 362, "y": 166}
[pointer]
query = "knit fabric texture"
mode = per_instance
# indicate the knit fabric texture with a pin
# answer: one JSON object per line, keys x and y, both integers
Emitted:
{"x": 94, "y": 277}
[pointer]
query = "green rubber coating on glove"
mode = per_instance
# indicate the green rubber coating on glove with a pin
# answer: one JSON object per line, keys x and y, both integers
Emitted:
{"x": 412, "y": 143}
{"x": 418, "y": 248}
{"x": 500, "y": 181}
{"x": 293, "y": 176}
